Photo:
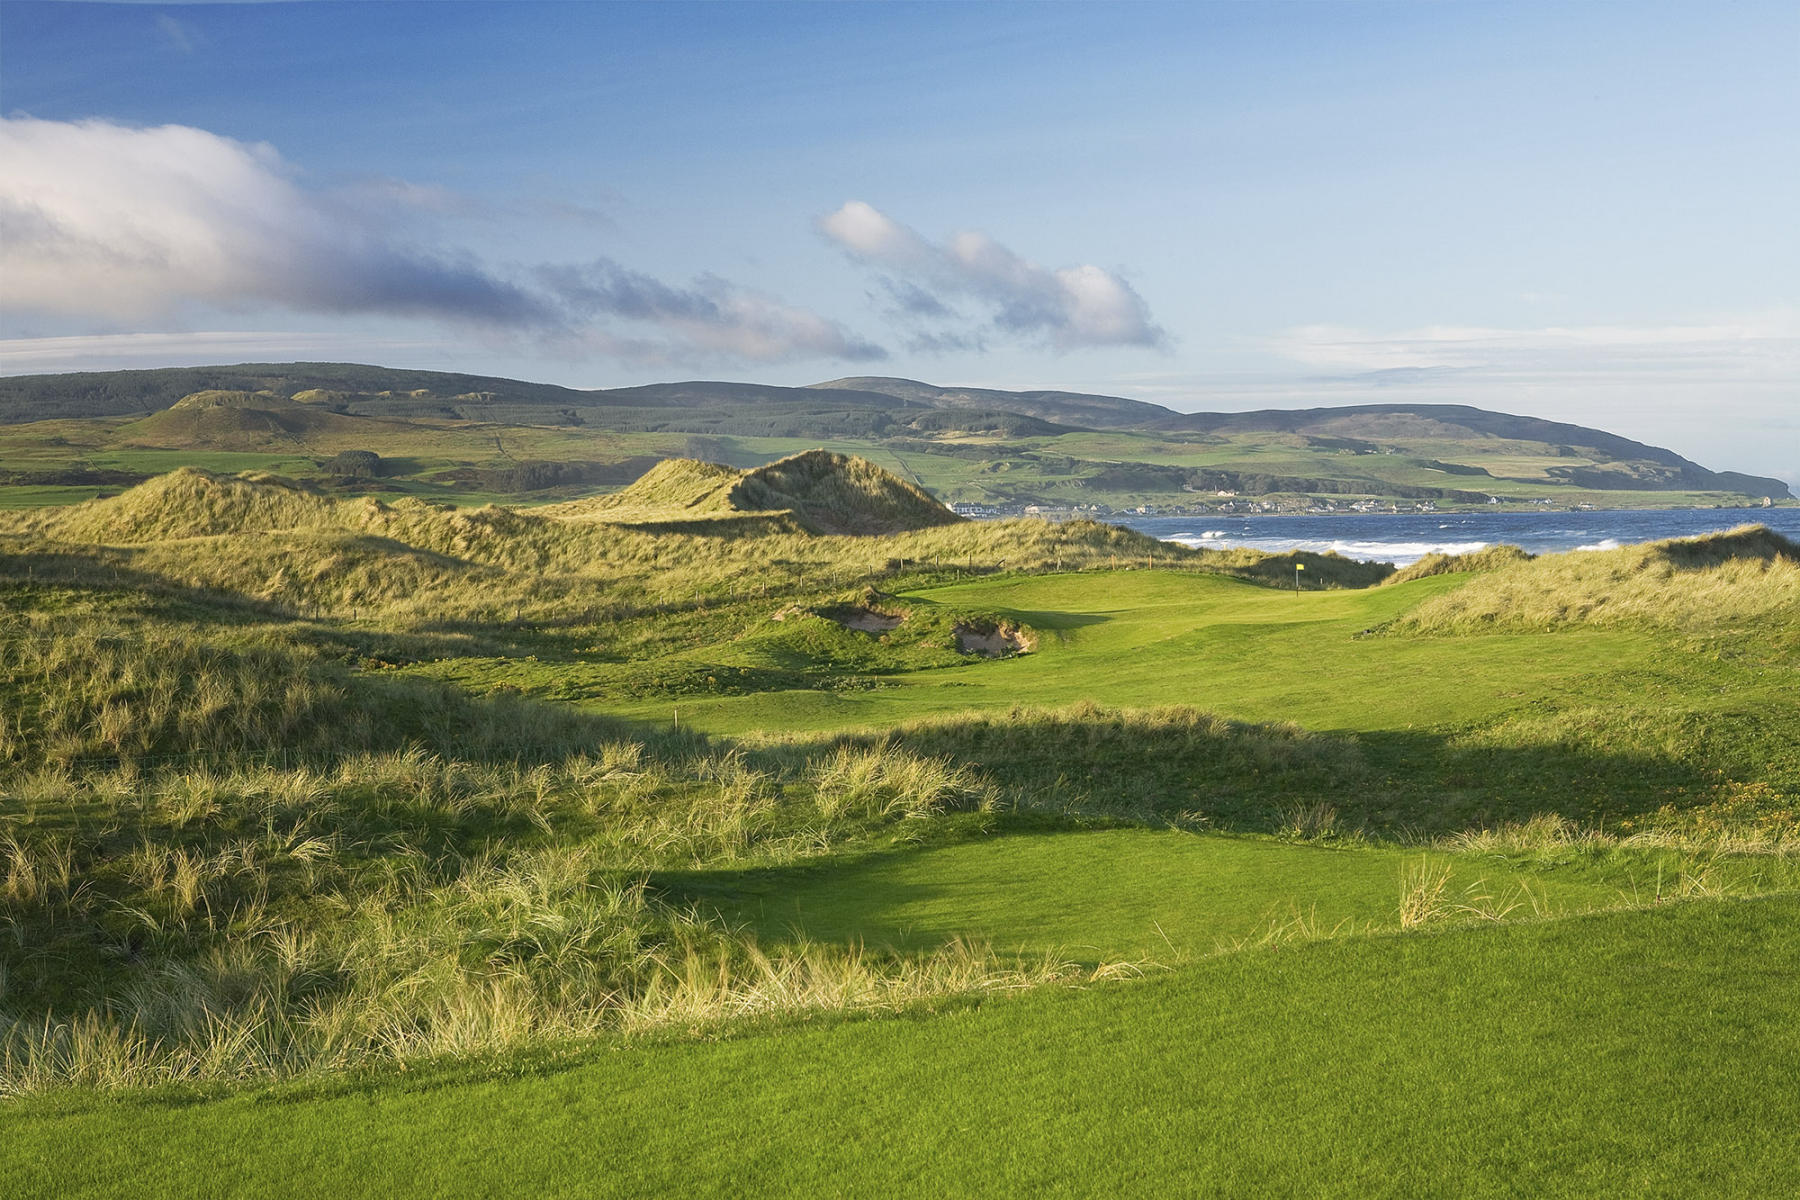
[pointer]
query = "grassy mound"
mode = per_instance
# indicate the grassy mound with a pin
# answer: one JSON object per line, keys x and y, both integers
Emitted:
{"x": 826, "y": 493}
{"x": 840, "y": 494}
{"x": 229, "y": 420}
{"x": 1493, "y": 558}
{"x": 674, "y": 483}
{"x": 80, "y": 690}
{"x": 414, "y": 562}
{"x": 1742, "y": 574}
{"x": 185, "y": 503}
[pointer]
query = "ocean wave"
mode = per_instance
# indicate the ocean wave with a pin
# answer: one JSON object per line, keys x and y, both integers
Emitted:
{"x": 1602, "y": 544}
{"x": 1399, "y": 553}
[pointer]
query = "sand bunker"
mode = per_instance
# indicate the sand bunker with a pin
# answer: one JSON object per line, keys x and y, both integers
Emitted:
{"x": 999, "y": 642}
{"x": 863, "y": 620}
{"x": 867, "y": 620}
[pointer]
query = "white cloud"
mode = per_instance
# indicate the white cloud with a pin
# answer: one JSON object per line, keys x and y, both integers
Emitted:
{"x": 110, "y": 223}
{"x": 1073, "y": 307}
{"x": 713, "y": 316}
{"x": 129, "y": 224}
{"x": 178, "y": 34}
{"x": 1757, "y": 345}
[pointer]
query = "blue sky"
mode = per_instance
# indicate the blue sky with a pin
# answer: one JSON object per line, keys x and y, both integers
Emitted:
{"x": 1583, "y": 212}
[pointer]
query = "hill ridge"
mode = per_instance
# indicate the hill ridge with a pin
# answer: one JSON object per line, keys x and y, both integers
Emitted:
{"x": 873, "y": 407}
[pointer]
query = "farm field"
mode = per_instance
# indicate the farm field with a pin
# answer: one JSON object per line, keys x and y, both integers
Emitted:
{"x": 664, "y": 843}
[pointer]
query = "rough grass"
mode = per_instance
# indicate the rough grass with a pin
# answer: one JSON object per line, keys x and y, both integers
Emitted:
{"x": 241, "y": 845}
{"x": 1742, "y": 575}
{"x": 1493, "y": 558}
{"x": 822, "y": 491}
{"x": 100, "y": 689}
{"x": 192, "y": 923}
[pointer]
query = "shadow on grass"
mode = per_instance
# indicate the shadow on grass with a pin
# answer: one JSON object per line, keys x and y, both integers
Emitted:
{"x": 1200, "y": 771}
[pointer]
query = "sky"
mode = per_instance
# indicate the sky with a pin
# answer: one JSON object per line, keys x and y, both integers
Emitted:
{"x": 1585, "y": 212}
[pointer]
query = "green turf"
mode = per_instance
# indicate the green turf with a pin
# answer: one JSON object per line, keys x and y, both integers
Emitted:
{"x": 1406, "y": 1066}
{"x": 1107, "y": 895}
{"x": 1161, "y": 637}
{"x": 47, "y": 495}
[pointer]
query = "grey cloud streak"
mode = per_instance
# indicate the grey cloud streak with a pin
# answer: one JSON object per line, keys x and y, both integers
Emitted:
{"x": 713, "y": 314}
{"x": 109, "y": 222}
{"x": 1083, "y": 306}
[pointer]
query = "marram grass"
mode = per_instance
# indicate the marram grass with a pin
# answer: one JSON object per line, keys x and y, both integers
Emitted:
{"x": 1747, "y": 574}
{"x": 244, "y": 841}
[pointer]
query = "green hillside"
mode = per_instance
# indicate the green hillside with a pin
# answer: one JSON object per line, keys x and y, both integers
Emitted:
{"x": 473, "y": 439}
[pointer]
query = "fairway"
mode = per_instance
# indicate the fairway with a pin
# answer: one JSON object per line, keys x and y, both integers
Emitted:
{"x": 1147, "y": 637}
{"x": 1128, "y": 894}
{"x": 1384, "y": 1067}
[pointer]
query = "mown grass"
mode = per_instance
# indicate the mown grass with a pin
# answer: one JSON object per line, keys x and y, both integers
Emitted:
{"x": 1167, "y": 897}
{"x": 1643, "y": 1053}
{"x": 1425, "y": 734}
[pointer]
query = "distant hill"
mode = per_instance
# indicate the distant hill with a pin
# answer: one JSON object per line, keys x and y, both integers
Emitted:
{"x": 823, "y": 492}
{"x": 221, "y": 420}
{"x": 1366, "y": 427}
{"x": 955, "y": 436}
{"x": 124, "y": 393}
{"x": 351, "y": 389}
{"x": 1634, "y": 464}
{"x": 1068, "y": 408}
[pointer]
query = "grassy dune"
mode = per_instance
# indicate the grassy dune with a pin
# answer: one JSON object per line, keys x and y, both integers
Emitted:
{"x": 1747, "y": 574}
{"x": 824, "y": 492}
{"x": 412, "y": 562}
{"x": 312, "y": 809}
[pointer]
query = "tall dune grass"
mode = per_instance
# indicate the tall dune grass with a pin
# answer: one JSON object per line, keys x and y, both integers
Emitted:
{"x": 237, "y": 845}
{"x": 258, "y": 921}
{"x": 1746, "y": 574}
{"x": 411, "y": 564}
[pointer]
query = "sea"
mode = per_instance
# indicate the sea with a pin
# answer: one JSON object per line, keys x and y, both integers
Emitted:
{"x": 1402, "y": 538}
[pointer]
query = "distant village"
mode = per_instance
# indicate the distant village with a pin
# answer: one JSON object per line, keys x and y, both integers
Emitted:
{"x": 1229, "y": 505}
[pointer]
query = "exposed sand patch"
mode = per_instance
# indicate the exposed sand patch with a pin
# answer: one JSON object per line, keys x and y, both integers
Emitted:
{"x": 863, "y": 620}
{"x": 999, "y": 642}
{"x": 867, "y": 620}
